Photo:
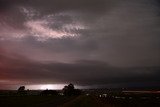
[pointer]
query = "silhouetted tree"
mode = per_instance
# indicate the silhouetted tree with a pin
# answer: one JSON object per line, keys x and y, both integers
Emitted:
{"x": 70, "y": 90}
{"x": 71, "y": 86}
{"x": 21, "y": 90}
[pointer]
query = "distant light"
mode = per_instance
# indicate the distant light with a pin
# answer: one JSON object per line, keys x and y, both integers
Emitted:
{"x": 45, "y": 86}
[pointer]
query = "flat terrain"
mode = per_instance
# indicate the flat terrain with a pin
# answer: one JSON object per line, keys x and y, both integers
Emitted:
{"x": 94, "y": 100}
{"x": 33, "y": 101}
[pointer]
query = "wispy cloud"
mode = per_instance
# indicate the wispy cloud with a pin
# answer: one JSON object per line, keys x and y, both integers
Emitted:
{"x": 43, "y": 28}
{"x": 42, "y": 32}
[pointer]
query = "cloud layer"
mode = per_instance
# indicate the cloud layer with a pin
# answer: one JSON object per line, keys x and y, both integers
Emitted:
{"x": 66, "y": 41}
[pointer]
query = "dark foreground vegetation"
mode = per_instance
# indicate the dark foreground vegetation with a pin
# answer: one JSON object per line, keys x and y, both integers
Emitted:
{"x": 70, "y": 97}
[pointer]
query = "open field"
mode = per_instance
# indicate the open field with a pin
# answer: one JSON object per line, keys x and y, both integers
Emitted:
{"x": 33, "y": 101}
{"x": 93, "y": 99}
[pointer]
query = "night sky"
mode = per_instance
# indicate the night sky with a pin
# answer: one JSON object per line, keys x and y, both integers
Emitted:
{"x": 93, "y": 43}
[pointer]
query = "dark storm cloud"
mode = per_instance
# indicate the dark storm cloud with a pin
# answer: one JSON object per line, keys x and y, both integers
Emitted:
{"x": 85, "y": 7}
{"x": 82, "y": 41}
{"x": 80, "y": 72}
{"x": 63, "y": 5}
{"x": 7, "y": 5}
{"x": 59, "y": 5}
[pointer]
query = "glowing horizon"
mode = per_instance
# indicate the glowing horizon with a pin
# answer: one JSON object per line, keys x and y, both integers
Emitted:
{"x": 45, "y": 86}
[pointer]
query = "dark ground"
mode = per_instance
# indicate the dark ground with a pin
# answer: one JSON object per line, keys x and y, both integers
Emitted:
{"x": 89, "y": 100}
